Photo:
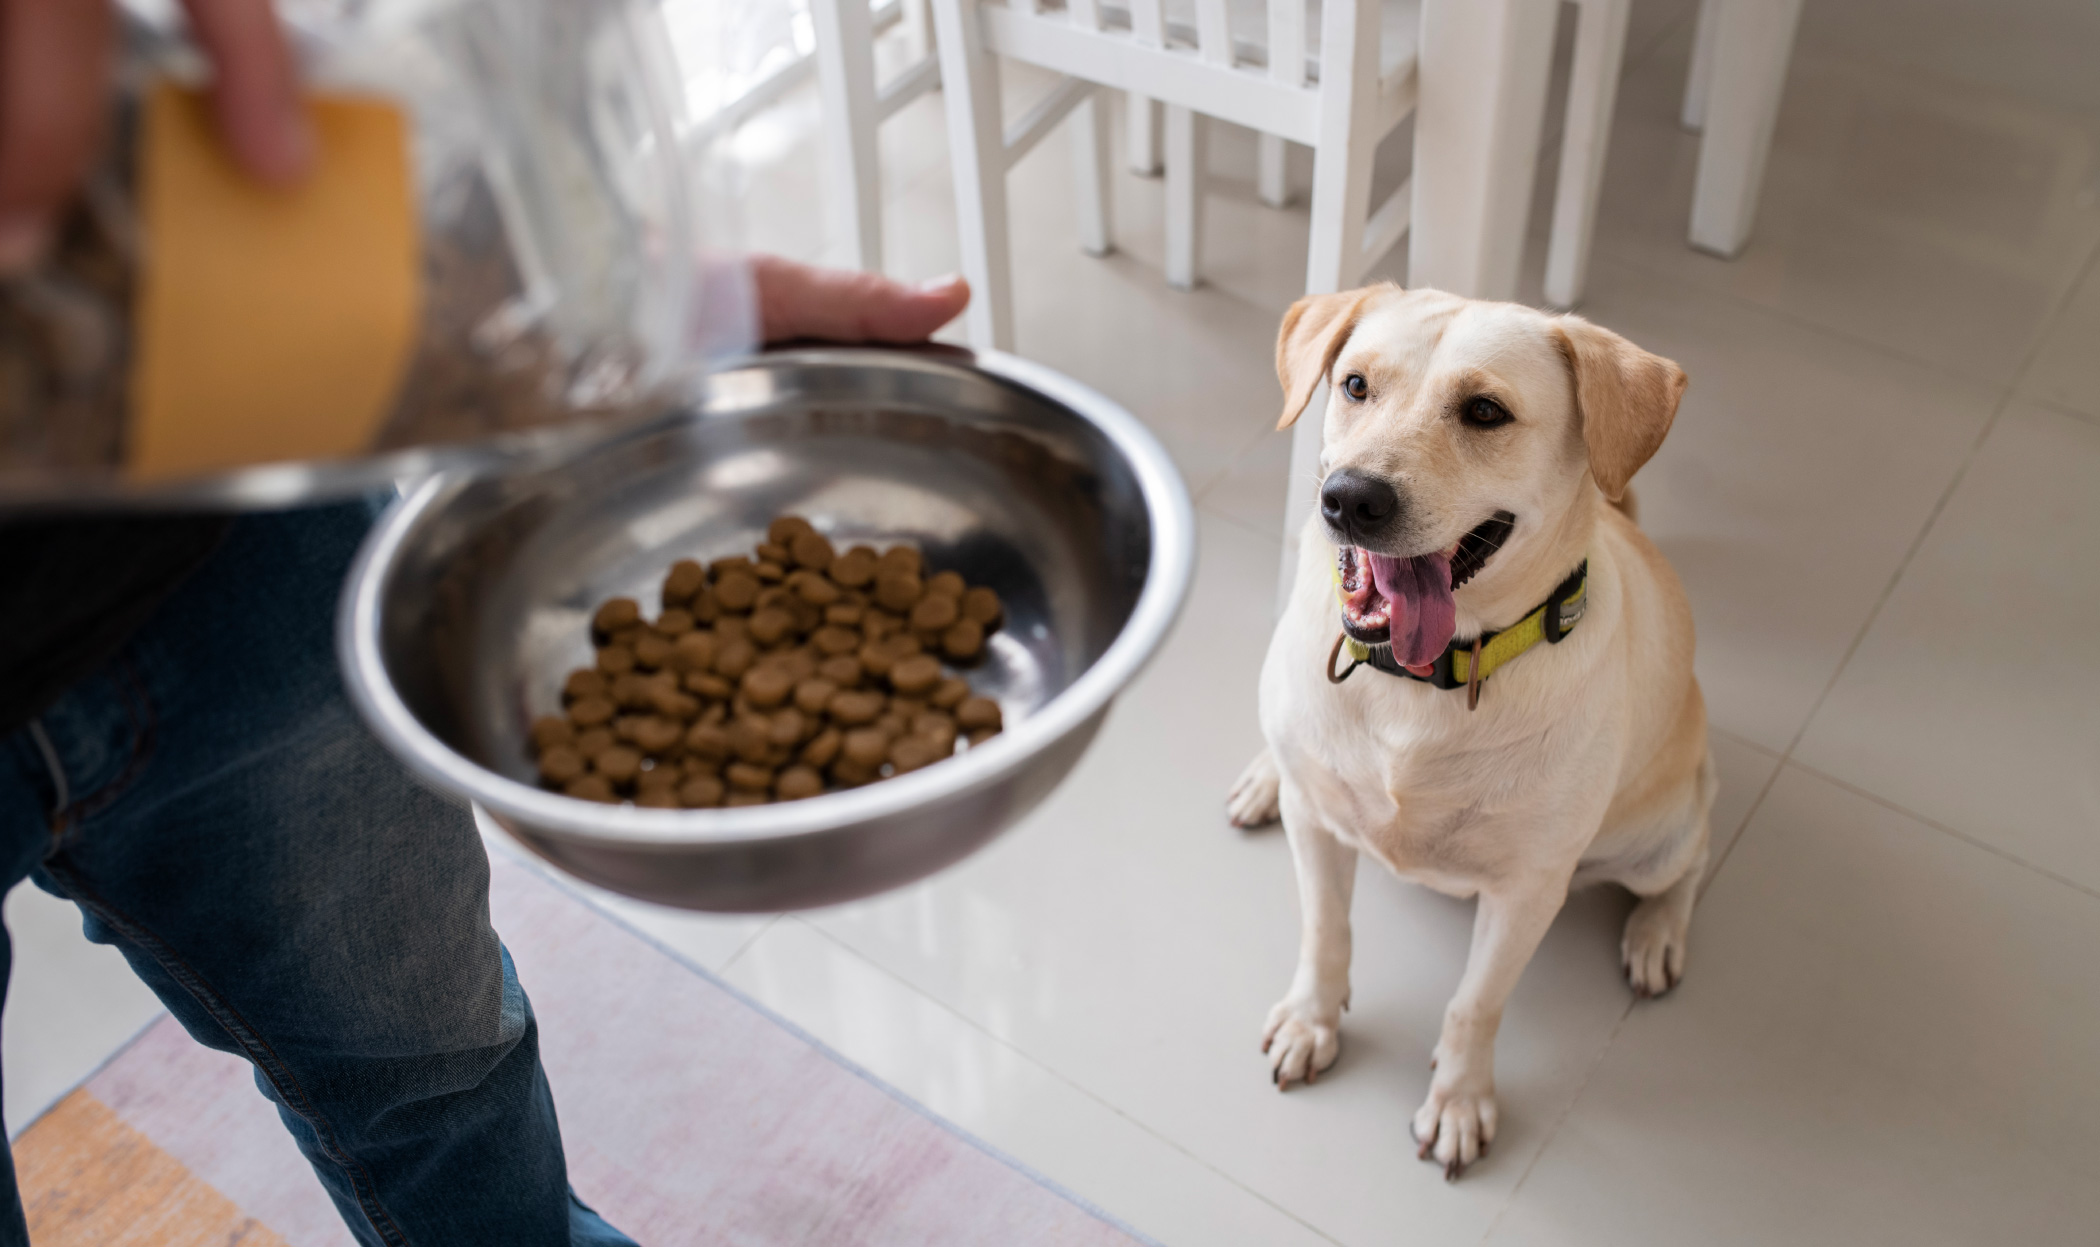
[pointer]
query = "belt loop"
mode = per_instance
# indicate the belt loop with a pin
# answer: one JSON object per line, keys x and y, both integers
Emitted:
{"x": 62, "y": 792}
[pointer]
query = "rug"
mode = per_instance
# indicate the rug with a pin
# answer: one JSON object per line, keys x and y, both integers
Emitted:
{"x": 690, "y": 1116}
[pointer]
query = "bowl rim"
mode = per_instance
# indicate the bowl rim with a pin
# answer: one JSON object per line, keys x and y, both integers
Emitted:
{"x": 1167, "y": 576}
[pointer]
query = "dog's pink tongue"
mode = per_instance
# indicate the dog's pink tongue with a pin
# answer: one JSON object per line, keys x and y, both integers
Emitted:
{"x": 1418, "y": 591}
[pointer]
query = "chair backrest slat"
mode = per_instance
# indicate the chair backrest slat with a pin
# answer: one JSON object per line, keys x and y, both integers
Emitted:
{"x": 1148, "y": 23}
{"x": 1214, "y": 32}
{"x": 1086, "y": 14}
{"x": 1287, "y": 41}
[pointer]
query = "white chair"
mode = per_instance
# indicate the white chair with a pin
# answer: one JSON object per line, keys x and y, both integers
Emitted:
{"x": 853, "y": 108}
{"x": 1340, "y": 94}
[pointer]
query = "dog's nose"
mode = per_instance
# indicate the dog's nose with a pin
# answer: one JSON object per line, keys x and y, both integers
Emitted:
{"x": 1357, "y": 503}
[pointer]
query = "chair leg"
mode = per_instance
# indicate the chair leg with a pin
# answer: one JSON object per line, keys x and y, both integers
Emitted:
{"x": 1185, "y": 177}
{"x": 1593, "y": 90}
{"x": 1090, "y": 175}
{"x": 1752, "y": 45}
{"x": 1269, "y": 174}
{"x": 1141, "y": 134}
{"x": 977, "y": 154}
{"x": 846, "y": 90}
{"x": 1693, "y": 115}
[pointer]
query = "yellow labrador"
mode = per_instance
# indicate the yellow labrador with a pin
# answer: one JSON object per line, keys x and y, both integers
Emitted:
{"x": 1473, "y": 451}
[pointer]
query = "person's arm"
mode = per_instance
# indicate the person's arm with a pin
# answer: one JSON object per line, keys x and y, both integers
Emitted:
{"x": 54, "y": 94}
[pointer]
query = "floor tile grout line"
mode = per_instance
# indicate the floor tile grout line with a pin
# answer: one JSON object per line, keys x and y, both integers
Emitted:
{"x": 1054, "y": 1073}
{"x": 2056, "y": 407}
{"x": 2006, "y": 398}
{"x": 1798, "y": 321}
{"x": 1745, "y": 742}
{"x": 1944, "y": 828}
{"x": 1553, "y": 1131}
{"x": 748, "y": 941}
{"x": 2008, "y": 395}
{"x": 1604, "y": 1049}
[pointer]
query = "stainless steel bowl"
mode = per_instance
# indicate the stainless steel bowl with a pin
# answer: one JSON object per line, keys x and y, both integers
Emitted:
{"x": 471, "y": 600}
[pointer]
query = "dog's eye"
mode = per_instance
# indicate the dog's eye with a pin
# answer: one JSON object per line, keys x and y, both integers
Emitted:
{"x": 1355, "y": 386}
{"x": 1483, "y": 412}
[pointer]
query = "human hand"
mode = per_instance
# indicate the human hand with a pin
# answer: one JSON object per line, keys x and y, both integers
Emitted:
{"x": 839, "y": 305}
{"x": 54, "y": 95}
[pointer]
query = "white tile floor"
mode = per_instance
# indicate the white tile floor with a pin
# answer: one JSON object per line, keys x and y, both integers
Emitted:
{"x": 1881, "y": 494}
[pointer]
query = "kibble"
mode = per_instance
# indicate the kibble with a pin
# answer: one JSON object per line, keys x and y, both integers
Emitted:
{"x": 772, "y": 677}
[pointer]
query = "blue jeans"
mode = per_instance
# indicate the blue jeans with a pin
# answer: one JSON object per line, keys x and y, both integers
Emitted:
{"x": 212, "y": 804}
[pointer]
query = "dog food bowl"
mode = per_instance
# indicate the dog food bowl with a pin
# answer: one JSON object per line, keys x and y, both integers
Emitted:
{"x": 472, "y": 598}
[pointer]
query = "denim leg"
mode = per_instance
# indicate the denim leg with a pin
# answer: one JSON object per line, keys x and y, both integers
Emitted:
{"x": 295, "y": 898}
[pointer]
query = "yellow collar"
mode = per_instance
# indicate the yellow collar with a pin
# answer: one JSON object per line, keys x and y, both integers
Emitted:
{"x": 1466, "y": 664}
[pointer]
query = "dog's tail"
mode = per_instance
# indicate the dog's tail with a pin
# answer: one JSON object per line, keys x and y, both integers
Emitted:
{"x": 1629, "y": 505}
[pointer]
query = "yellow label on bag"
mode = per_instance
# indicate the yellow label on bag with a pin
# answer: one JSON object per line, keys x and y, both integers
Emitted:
{"x": 272, "y": 323}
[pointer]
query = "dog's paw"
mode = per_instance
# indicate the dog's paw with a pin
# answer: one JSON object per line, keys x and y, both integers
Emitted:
{"x": 1455, "y": 1124}
{"x": 1301, "y": 1040}
{"x": 1252, "y": 801}
{"x": 1652, "y": 949}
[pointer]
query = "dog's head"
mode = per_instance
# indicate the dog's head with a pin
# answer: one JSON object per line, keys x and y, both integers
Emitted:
{"x": 1459, "y": 432}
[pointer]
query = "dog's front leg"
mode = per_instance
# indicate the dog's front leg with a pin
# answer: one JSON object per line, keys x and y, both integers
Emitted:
{"x": 1303, "y": 1034}
{"x": 1457, "y": 1122}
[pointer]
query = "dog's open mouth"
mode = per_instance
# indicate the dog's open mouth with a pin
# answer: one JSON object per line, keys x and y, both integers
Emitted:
{"x": 1406, "y": 603}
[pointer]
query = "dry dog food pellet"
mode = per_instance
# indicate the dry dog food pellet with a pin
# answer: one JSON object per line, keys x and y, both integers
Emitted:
{"x": 590, "y": 788}
{"x": 982, "y": 605}
{"x": 916, "y": 674}
{"x": 798, "y": 782}
{"x": 978, "y": 713}
{"x": 737, "y": 590}
{"x": 708, "y": 740}
{"x": 749, "y": 776}
{"x": 823, "y": 748}
{"x": 617, "y": 613}
{"x": 560, "y": 763}
{"x": 550, "y": 730}
{"x": 910, "y": 753}
{"x": 767, "y": 687}
{"x": 813, "y": 694}
{"x": 964, "y": 641}
{"x": 700, "y": 792}
{"x": 852, "y": 709}
{"x": 855, "y": 569}
{"x": 934, "y": 613}
{"x": 618, "y": 764}
{"x": 651, "y": 651}
{"x": 592, "y": 711}
{"x": 772, "y": 677}
{"x": 686, "y": 578}
{"x": 810, "y": 549}
{"x": 734, "y": 659}
{"x": 898, "y": 590}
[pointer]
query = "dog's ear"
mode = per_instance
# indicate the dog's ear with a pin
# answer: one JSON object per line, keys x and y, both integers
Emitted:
{"x": 1312, "y": 335}
{"x": 1626, "y": 398}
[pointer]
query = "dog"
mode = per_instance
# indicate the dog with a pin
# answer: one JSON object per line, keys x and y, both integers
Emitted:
{"x": 1474, "y": 452}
